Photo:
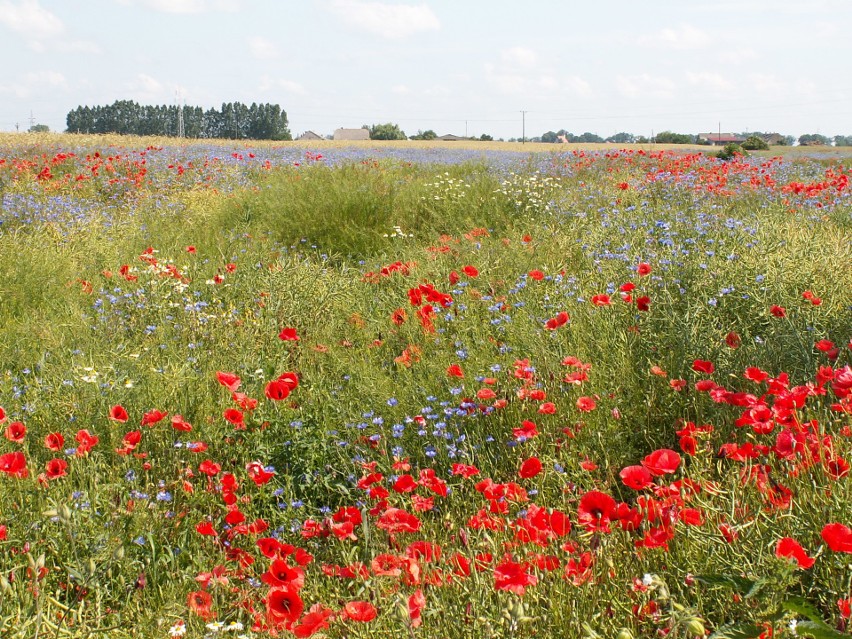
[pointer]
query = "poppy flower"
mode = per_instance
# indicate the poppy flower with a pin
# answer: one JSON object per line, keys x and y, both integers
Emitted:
{"x": 703, "y": 366}
{"x": 54, "y": 441}
{"x": 313, "y": 621}
{"x": 288, "y": 335}
{"x": 235, "y": 417}
{"x": 601, "y": 300}
{"x": 527, "y": 430}
{"x": 464, "y": 470}
{"x": 733, "y": 340}
{"x": 536, "y": 275}
{"x": 470, "y": 271}
{"x": 396, "y": 520}
{"x": 362, "y": 611}
{"x": 643, "y": 269}
{"x": 662, "y": 462}
{"x": 228, "y": 380}
{"x": 178, "y": 423}
{"x": 790, "y": 549}
{"x": 152, "y": 417}
{"x": 56, "y": 468}
{"x": 277, "y": 390}
{"x": 636, "y": 477}
{"x": 586, "y": 404}
{"x": 596, "y": 510}
{"x": 199, "y": 602}
{"x": 838, "y": 537}
{"x": 513, "y": 576}
{"x": 455, "y": 370}
{"x": 416, "y": 604}
{"x": 284, "y": 605}
{"x": 778, "y": 311}
{"x": 15, "y": 432}
{"x": 118, "y": 414}
{"x": 530, "y": 468}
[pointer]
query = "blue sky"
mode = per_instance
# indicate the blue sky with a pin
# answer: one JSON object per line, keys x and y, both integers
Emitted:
{"x": 454, "y": 66}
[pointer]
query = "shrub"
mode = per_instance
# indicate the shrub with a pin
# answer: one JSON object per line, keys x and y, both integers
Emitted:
{"x": 755, "y": 143}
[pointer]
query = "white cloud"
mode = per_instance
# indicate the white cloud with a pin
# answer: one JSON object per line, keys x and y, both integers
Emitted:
{"x": 268, "y": 83}
{"x": 715, "y": 81}
{"x": 186, "y": 6}
{"x": 35, "y": 83}
{"x": 645, "y": 85}
{"x": 519, "y": 56}
{"x": 394, "y": 21}
{"x": 30, "y": 19}
{"x": 262, "y": 49}
{"x": 400, "y": 89}
{"x": 682, "y": 38}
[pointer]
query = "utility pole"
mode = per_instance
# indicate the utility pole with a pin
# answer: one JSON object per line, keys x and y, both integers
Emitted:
{"x": 465, "y": 128}
{"x": 32, "y": 120}
{"x": 523, "y": 127}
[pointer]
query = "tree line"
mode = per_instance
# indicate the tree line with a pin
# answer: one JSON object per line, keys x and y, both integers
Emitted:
{"x": 234, "y": 120}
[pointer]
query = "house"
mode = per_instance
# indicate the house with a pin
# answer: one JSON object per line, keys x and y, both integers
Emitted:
{"x": 449, "y": 137}
{"x": 309, "y": 135}
{"x": 720, "y": 139}
{"x": 351, "y": 135}
{"x": 773, "y": 139}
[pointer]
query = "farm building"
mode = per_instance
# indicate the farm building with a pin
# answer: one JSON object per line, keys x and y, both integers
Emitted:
{"x": 449, "y": 137}
{"x": 718, "y": 139}
{"x": 773, "y": 139}
{"x": 350, "y": 135}
{"x": 309, "y": 135}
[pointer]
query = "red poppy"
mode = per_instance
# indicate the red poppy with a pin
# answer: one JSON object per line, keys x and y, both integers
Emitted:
{"x": 636, "y": 477}
{"x": 205, "y": 528}
{"x": 396, "y": 520}
{"x": 845, "y": 606}
{"x": 703, "y": 366}
{"x": 200, "y": 602}
{"x": 56, "y": 468}
{"x": 733, "y": 340}
{"x": 464, "y": 470}
{"x": 54, "y": 441}
{"x": 118, "y": 414}
{"x": 790, "y": 549}
{"x": 470, "y": 271}
{"x": 586, "y": 404}
{"x": 228, "y": 380}
{"x": 530, "y": 468}
{"x": 277, "y": 390}
{"x": 536, "y": 275}
{"x": 362, "y": 611}
{"x": 455, "y": 370}
{"x": 235, "y": 417}
{"x": 527, "y": 430}
{"x": 399, "y": 316}
{"x": 838, "y": 537}
{"x": 416, "y": 604}
{"x": 152, "y": 417}
{"x": 15, "y": 432}
{"x": 209, "y": 467}
{"x": 595, "y": 511}
{"x": 289, "y": 379}
{"x": 513, "y": 577}
{"x": 643, "y": 269}
{"x": 643, "y": 303}
{"x": 547, "y": 408}
{"x": 601, "y": 300}
{"x": 778, "y": 311}
{"x": 86, "y": 441}
{"x": 313, "y": 621}
{"x": 662, "y": 462}
{"x": 178, "y": 423}
{"x": 284, "y": 605}
{"x": 754, "y": 374}
{"x": 288, "y": 335}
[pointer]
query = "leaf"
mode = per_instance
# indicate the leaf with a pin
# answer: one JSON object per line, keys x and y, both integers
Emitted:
{"x": 818, "y": 630}
{"x": 756, "y": 587}
{"x": 803, "y": 607}
{"x": 738, "y": 631}
{"x": 740, "y": 584}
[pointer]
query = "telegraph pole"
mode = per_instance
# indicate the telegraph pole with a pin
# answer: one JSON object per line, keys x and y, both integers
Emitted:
{"x": 523, "y": 127}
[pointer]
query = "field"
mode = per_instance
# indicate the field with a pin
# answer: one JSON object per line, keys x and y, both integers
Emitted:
{"x": 423, "y": 390}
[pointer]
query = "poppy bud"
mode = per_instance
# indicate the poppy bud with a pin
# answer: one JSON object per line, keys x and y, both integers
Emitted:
{"x": 695, "y": 627}
{"x": 624, "y": 633}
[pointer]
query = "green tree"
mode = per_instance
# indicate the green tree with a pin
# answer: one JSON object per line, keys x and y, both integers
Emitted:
{"x": 622, "y": 138}
{"x": 485, "y": 138}
{"x": 667, "y": 137}
{"x": 428, "y": 134}
{"x": 387, "y": 131}
{"x": 811, "y": 139}
{"x": 843, "y": 140}
{"x": 550, "y": 137}
{"x": 39, "y": 128}
{"x": 755, "y": 143}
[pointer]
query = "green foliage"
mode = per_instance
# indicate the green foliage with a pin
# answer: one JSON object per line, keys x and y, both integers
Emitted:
{"x": 731, "y": 151}
{"x": 388, "y": 131}
{"x": 234, "y": 121}
{"x": 39, "y": 128}
{"x": 667, "y": 137}
{"x": 755, "y": 143}
{"x": 813, "y": 139}
{"x": 429, "y": 134}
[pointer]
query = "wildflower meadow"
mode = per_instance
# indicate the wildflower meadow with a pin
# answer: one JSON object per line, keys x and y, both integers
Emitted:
{"x": 434, "y": 391}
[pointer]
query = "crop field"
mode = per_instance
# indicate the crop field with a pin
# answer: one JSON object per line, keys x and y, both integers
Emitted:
{"x": 423, "y": 390}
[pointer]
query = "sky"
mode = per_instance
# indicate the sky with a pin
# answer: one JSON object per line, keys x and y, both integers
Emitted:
{"x": 465, "y": 67}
